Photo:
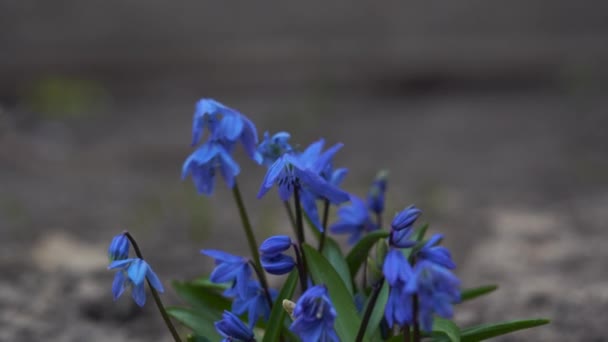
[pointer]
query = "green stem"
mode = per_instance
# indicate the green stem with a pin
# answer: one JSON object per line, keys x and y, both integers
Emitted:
{"x": 368, "y": 309}
{"x": 157, "y": 300}
{"x": 253, "y": 245}
{"x": 300, "y": 232}
{"x": 291, "y": 218}
{"x": 300, "y": 266}
{"x": 325, "y": 218}
{"x": 260, "y": 273}
{"x": 406, "y": 334}
{"x": 416, "y": 324}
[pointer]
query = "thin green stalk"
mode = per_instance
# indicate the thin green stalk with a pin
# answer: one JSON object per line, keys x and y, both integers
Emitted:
{"x": 369, "y": 309}
{"x": 253, "y": 245}
{"x": 300, "y": 233}
{"x": 292, "y": 219}
{"x": 325, "y": 218}
{"x": 416, "y": 324}
{"x": 157, "y": 300}
{"x": 300, "y": 267}
{"x": 259, "y": 273}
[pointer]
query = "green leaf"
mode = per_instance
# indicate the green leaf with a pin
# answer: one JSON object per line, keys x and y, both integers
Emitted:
{"x": 446, "y": 327}
{"x": 359, "y": 252}
{"x": 378, "y": 313}
{"x": 201, "y": 295}
{"x": 468, "y": 294}
{"x": 322, "y": 272}
{"x": 420, "y": 232}
{"x": 196, "y": 338}
{"x": 277, "y": 315}
{"x": 199, "y": 320}
{"x": 486, "y": 331}
{"x": 333, "y": 254}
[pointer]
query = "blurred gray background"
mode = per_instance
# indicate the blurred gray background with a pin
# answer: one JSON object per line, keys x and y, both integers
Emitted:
{"x": 490, "y": 116}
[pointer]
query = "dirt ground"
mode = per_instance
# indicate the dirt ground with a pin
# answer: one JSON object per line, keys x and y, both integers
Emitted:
{"x": 503, "y": 148}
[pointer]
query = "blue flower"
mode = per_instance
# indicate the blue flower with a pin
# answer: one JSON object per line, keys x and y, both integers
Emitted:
{"x": 375, "y": 196}
{"x": 119, "y": 248}
{"x": 202, "y": 165}
{"x": 232, "y": 329}
{"x": 353, "y": 219}
{"x": 235, "y": 127}
{"x": 314, "y": 316}
{"x": 401, "y": 238}
{"x": 230, "y": 268}
{"x": 289, "y": 172}
{"x": 398, "y": 273}
{"x": 406, "y": 218}
{"x": 440, "y": 255}
{"x": 273, "y": 260}
{"x": 270, "y": 149}
{"x": 208, "y": 113}
{"x": 132, "y": 273}
{"x": 275, "y": 245}
{"x": 254, "y": 303}
{"x": 437, "y": 290}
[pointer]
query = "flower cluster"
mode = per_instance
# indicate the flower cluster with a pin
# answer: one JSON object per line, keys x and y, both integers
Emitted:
{"x": 417, "y": 272}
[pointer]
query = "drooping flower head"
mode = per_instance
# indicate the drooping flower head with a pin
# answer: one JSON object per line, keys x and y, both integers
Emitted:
{"x": 203, "y": 164}
{"x": 133, "y": 273}
{"x": 437, "y": 289}
{"x": 271, "y": 148}
{"x": 230, "y": 268}
{"x": 375, "y": 196}
{"x": 353, "y": 219}
{"x": 398, "y": 273}
{"x": 272, "y": 257}
{"x": 314, "y": 316}
{"x": 435, "y": 253}
{"x": 208, "y": 112}
{"x": 232, "y": 329}
{"x": 254, "y": 303}
{"x": 119, "y": 248}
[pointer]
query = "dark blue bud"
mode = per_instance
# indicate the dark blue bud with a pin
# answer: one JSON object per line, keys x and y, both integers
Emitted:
{"x": 275, "y": 245}
{"x": 231, "y": 328}
{"x": 119, "y": 248}
{"x": 406, "y": 218}
{"x": 278, "y": 264}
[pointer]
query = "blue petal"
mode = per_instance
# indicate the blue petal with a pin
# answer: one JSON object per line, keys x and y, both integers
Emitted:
{"x": 138, "y": 292}
{"x": 137, "y": 271}
{"x": 118, "y": 285}
{"x": 338, "y": 176}
{"x": 222, "y": 256}
{"x": 120, "y": 263}
{"x": 278, "y": 265}
{"x": 275, "y": 244}
{"x": 309, "y": 204}
{"x": 318, "y": 186}
{"x": 154, "y": 281}
{"x": 271, "y": 176}
{"x": 229, "y": 169}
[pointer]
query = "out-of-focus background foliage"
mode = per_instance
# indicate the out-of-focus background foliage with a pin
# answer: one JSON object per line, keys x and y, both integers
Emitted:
{"x": 490, "y": 116}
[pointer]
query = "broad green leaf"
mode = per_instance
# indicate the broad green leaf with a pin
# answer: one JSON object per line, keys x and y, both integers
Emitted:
{"x": 358, "y": 254}
{"x": 486, "y": 331}
{"x": 418, "y": 236}
{"x": 199, "y": 320}
{"x": 201, "y": 296}
{"x": 206, "y": 283}
{"x": 378, "y": 313}
{"x": 445, "y": 327}
{"x": 277, "y": 315}
{"x": 196, "y": 338}
{"x": 322, "y": 272}
{"x": 333, "y": 254}
{"x": 468, "y": 294}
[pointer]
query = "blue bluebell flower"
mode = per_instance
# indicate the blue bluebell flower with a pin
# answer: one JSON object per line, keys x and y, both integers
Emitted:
{"x": 398, "y": 273}
{"x": 437, "y": 289}
{"x": 272, "y": 258}
{"x": 433, "y": 252}
{"x": 402, "y": 238}
{"x": 133, "y": 273}
{"x": 353, "y": 219}
{"x": 375, "y": 196}
{"x": 314, "y": 316}
{"x": 208, "y": 112}
{"x": 232, "y": 329}
{"x": 203, "y": 163}
{"x": 235, "y": 127}
{"x": 406, "y": 218}
{"x": 271, "y": 148}
{"x": 230, "y": 268}
{"x": 289, "y": 172}
{"x": 254, "y": 303}
{"x": 275, "y": 245}
{"x": 119, "y": 248}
